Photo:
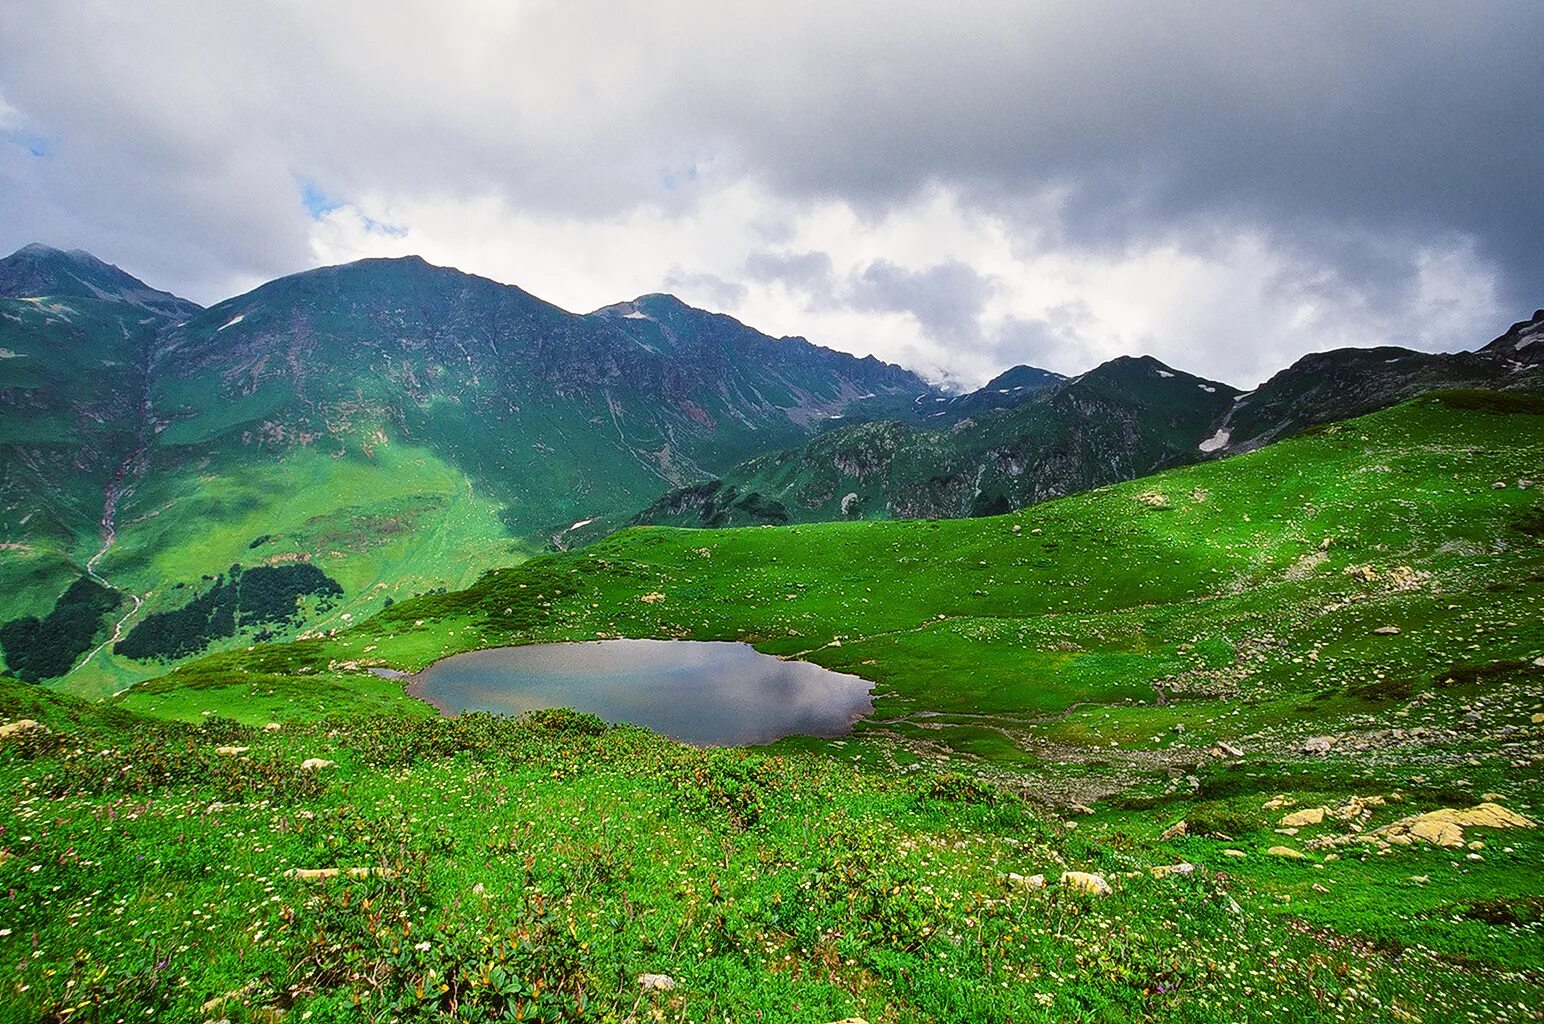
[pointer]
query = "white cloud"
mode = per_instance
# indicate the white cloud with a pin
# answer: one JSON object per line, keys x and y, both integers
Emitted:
{"x": 1095, "y": 182}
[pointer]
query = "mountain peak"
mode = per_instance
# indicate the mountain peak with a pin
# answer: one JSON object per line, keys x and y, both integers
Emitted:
{"x": 37, "y": 270}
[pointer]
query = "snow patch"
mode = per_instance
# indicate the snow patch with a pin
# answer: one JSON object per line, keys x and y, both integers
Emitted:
{"x": 582, "y": 522}
{"x": 1207, "y": 388}
{"x": 635, "y": 315}
{"x": 1214, "y": 442}
{"x": 1165, "y": 373}
{"x": 6, "y": 353}
{"x": 232, "y": 322}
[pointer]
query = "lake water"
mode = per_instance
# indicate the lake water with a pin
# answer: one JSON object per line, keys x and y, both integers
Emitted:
{"x": 713, "y": 694}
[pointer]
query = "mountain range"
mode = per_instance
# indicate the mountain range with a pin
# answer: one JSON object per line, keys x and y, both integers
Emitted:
{"x": 291, "y": 459}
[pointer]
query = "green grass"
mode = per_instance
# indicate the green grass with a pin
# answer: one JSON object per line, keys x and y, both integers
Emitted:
{"x": 1089, "y": 651}
{"x": 537, "y": 868}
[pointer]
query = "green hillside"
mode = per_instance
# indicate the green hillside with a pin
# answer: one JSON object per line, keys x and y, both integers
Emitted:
{"x": 1161, "y": 651}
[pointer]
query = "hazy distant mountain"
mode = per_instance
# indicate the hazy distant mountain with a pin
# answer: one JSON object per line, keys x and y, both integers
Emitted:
{"x": 1124, "y": 419}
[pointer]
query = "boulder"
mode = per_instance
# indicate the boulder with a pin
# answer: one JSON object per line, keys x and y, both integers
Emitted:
{"x": 1317, "y": 745}
{"x": 313, "y": 764}
{"x": 1015, "y": 879}
{"x": 1286, "y": 852}
{"x": 22, "y": 727}
{"x": 1166, "y": 870}
{"x": 1386, "y": 631}
{"x": 231, "y": 751}
{"x": 272, "y": 727}
{"x": 1445, "y": 827}
{"x": 1085, "y": 882}
{"x": 1306, "y": 816}
{"x": 1174, "y": 831}
{"x": 656, "y": 982}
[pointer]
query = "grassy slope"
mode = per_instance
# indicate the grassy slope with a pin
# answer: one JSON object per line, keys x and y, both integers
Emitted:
{"x": 1019, "y": 657}
{"x": 534, "y": 866}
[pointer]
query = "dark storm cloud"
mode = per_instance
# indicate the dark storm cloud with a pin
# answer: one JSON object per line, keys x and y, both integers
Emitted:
{"x": 946, "y": 299}
{"x": 1351, "y": 138}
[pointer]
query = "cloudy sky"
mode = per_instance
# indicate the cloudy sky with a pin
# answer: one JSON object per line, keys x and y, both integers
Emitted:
{"x": 957, "y": 187}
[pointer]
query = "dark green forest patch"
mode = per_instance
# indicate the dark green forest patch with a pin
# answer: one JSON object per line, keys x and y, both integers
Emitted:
{"x": 255, "y": 598}
{"x": 38, "y": 649}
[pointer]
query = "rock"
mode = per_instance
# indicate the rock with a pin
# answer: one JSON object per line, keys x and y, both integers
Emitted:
{"x": 1499, "y": 485}
{"x": 231, "y": 751}
{"x": 1017, "y": 527}
{"x": 1316, "y": 887}
{"x": 1307, "y": 816}
{"x": 312, "y": 764}
{"x": 22, "y": 727}
{"x": 1222, "y": 748}
{"x": 1538, "y": 662}
{"x": 1035, "y": 532}
{"x": 1234, "y": 853}
{"x": 1085, "y": 882}
{"x": 1287, "y": 852}
{"x": 1538, "y": 718}
{"x": 656, "y": 982}
{"x": 1165, "y": 870}
{"x": 1446, "y": 827}
{"x": 1174, "y": 831}
{"x": 1317, "y": 745}
{"x": 1013, "y": 878}
{"x": 1386, "y": 631}
{"x": 272, "y": 727}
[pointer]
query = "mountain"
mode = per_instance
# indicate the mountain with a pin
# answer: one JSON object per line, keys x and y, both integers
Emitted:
{"x": 41, "y": 271}
{"x": 1522, "y": 344}
{"x": 1124, "y": 419}
{"x": 358, "y": 434}
{"x": 1328, "y": 386}
{"x": 76, "y": 335}
{"x": 1039, "y": 436}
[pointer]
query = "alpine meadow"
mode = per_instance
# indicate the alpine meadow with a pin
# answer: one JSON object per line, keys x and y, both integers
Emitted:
{"x": 1121, "y": 601}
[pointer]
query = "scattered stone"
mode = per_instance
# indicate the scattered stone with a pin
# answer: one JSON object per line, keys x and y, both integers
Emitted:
{"x": 1222, "y": 748}
{"x": 1165, "y": 870}
{"x": 22, "y": 727}
{"x": 231, "y": 751}
{"x": 1287, "y": 852}
{"x": 1307, "y": 816}
{"x": 1013, "y": 878}
{"x": 653, "y": 597}
{"x": 656, "y": 982}
{"x": 1317, "y": 745}
{"x": 1083, "y": 881}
